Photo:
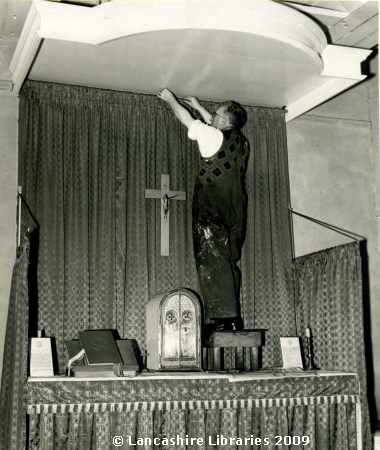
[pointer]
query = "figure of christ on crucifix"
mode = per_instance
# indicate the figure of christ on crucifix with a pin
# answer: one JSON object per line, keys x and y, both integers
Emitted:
{"x": 165, "y": 195}
{"x": 219, "y": 208}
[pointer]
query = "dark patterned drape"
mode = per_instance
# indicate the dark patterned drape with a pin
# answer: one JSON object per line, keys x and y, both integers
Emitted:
{"x": 15, "y": 362}
{"x": 89, "y": 156}
{"x": 267, "y": 278}
{"x": 330, "y": 302}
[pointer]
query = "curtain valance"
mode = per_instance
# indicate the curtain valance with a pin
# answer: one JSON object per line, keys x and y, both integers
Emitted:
{"x": 61, "y": 93}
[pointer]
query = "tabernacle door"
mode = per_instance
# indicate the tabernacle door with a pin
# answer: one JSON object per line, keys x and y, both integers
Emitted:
{"x": 175, "y": 344}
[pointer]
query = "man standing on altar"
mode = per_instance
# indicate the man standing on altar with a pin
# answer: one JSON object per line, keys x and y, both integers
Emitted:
{"x": 219, "y": 205}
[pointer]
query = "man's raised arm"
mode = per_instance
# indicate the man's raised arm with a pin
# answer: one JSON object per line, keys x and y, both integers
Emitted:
{"x": 194, "y": 103}
{"x": 180, "y": 112}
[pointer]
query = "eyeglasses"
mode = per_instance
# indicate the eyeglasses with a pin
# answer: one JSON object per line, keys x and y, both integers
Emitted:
{"x": 216, "y": 114}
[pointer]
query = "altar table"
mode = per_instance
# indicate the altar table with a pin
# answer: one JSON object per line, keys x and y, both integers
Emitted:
{"x": 266, "y": 410}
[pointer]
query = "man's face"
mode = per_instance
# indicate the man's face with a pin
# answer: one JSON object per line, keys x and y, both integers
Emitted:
{"x": 219, "y": 118}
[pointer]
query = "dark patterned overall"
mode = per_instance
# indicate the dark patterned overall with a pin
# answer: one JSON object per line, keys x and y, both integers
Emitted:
{"x": 219, "y": 224}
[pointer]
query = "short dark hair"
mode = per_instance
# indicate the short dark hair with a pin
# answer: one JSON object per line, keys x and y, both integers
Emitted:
{"x": 236, "y": 113}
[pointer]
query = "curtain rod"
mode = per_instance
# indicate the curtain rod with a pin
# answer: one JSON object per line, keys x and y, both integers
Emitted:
{"x": 19, "y": 190}
{"x": 331, "y": 227}
{"x": 30, "y": 226}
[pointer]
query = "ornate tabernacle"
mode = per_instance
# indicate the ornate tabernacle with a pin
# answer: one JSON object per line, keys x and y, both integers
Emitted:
{"x": 173, "y": 331}
{"x": 246, "y": 345}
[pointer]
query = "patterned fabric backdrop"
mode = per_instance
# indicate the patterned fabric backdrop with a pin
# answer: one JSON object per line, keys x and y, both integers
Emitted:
{"x": 15, "y": 362}
{"x": 267, "y": 278}
{"x": 330, "y": 302}
{"x": 89, "y": 156}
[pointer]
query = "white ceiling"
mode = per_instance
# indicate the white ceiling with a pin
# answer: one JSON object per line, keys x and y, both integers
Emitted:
{"x": 252, "y": 66}
{"x": 207, "y": 63}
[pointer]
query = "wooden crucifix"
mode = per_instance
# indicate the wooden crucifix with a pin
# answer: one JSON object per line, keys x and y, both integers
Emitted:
{"x": 166, "y": 195}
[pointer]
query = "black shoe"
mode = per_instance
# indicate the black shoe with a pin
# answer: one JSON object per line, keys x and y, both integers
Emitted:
{"x": 209, "y": 327}
{"x": 238, "y": 324}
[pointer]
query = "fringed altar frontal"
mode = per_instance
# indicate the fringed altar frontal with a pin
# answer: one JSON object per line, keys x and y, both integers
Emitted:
{"x": 319, "y": 412}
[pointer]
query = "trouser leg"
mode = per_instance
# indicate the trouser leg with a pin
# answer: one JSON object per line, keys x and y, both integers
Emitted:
{"x": 236, "y": 243}
{"x": 216, "y": 252}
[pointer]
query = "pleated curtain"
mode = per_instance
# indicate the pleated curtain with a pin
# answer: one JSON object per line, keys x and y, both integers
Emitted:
{"x": 266, "y": 264}
{"x": 89, "y": 155}
{"x": 15, "y": 362}
{"x": 329, "y": 293}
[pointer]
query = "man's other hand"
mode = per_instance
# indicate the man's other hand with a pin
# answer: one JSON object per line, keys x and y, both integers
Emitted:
{"x": 192, "y": 101}
{"x": 166, "y": 95}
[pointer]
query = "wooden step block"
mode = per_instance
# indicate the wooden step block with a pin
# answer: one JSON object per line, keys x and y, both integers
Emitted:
{"x": 246, "y": 343}
{"x": 234, "y": 338}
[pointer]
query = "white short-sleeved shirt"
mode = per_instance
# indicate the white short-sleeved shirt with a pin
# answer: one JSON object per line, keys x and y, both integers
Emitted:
{"x": 209, "y": 138}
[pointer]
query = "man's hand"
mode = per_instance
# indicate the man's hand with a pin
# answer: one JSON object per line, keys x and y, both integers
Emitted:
{"x": 166, "y": 95}
{"x": 180, "y": 111}
{"x": 192, "y": 101}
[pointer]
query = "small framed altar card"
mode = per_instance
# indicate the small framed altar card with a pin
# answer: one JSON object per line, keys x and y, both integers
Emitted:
{"x": 41, "y": 359}
{"x": 291, "y": 352}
